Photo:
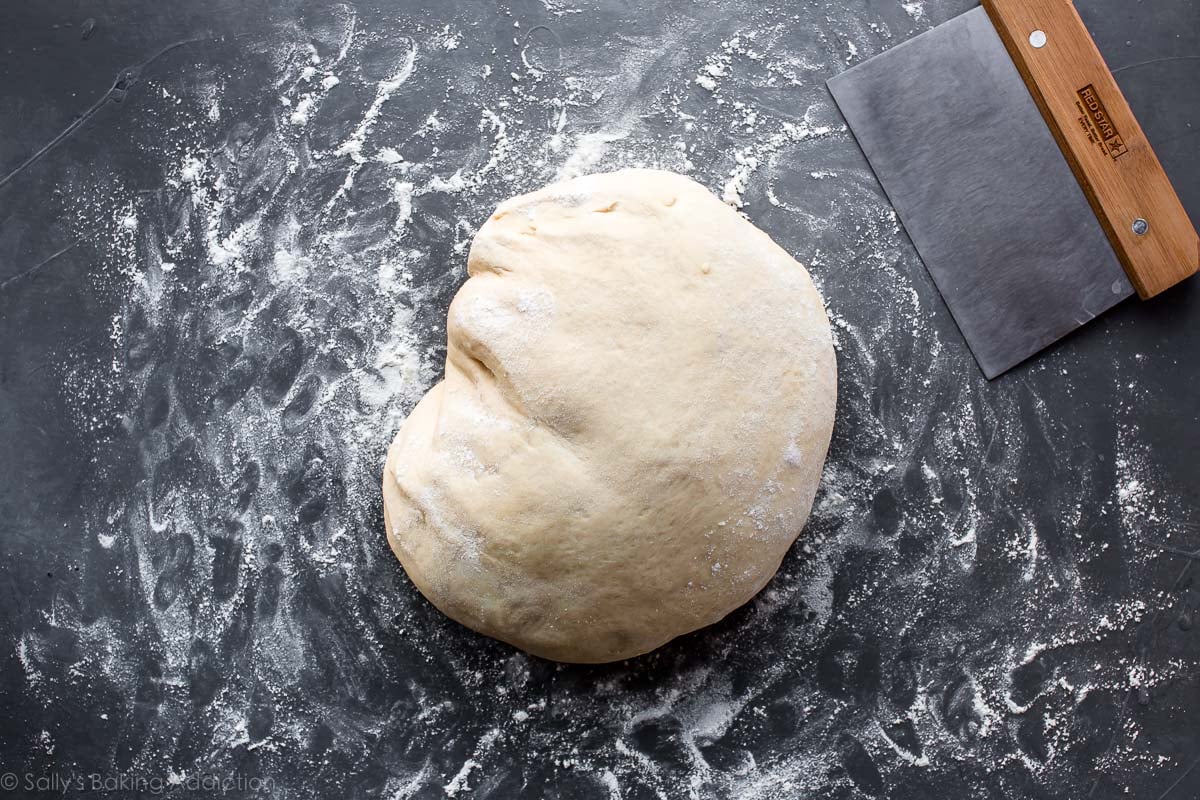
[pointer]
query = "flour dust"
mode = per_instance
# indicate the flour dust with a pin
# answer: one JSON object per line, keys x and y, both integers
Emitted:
{"x": 278, "y": 302}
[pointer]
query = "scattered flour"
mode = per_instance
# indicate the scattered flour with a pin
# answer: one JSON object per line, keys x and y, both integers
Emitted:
{"x": 302, "y": 321}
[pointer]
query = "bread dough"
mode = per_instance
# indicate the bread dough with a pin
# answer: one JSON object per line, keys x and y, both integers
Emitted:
{"x": 639, "y": 395}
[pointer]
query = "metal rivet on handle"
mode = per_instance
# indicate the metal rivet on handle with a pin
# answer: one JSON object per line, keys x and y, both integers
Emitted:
{"x": 1038, "y": 38}
{"x": 1140, "y": 226}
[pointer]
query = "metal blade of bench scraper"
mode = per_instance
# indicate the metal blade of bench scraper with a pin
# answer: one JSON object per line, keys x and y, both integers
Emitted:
{"x": 983, "y": 189}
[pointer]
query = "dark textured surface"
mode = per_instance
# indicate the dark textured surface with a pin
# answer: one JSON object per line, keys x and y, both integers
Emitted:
{"x": 215, "y": 308}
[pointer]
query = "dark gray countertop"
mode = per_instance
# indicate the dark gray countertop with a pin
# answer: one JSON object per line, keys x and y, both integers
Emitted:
{"x": 221, "y": 292}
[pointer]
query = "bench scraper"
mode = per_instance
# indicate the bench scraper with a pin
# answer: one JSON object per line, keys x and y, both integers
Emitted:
{"x": 1019, "y": 173}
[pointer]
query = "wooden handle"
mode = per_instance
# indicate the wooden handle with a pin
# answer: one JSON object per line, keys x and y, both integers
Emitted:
{"x": 1105, "y": 146}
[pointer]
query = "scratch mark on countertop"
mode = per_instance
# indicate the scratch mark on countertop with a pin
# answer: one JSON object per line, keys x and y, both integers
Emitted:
{"x": 1155, "y": 61}
{"x": 26, "y": 273}
{"x": 1179, "y": 780}
{"x": 125, "y": 79}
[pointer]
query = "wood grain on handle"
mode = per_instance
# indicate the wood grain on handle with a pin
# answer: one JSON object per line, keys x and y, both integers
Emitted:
{"x": 1101, "y": 139}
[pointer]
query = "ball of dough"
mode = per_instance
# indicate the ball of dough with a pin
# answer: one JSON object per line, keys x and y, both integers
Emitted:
{"x": 639, "y": 394}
